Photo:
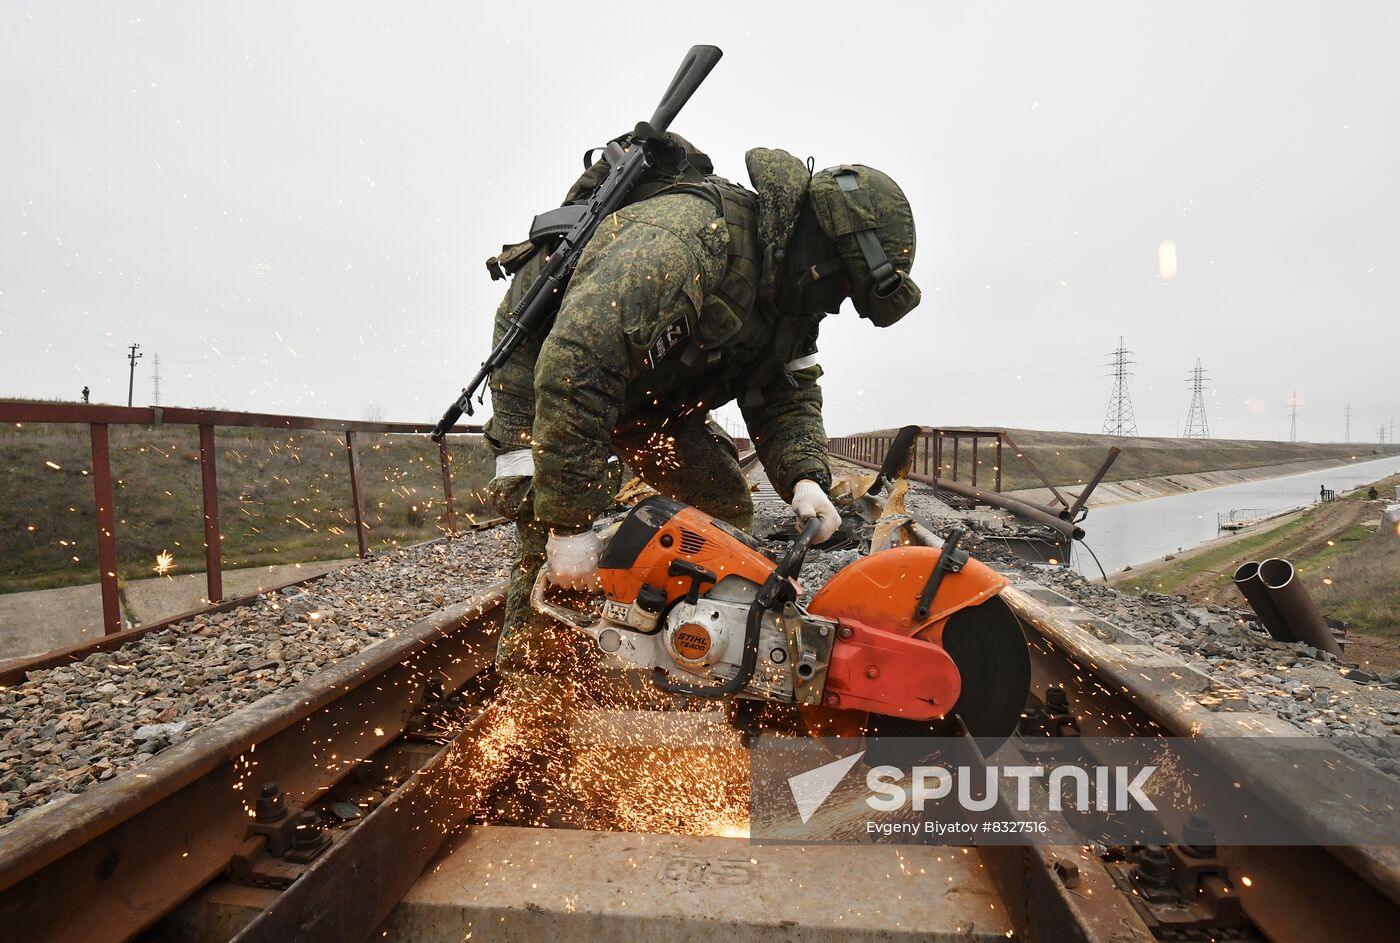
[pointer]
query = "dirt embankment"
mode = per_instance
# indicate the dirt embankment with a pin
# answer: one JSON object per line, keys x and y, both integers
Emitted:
{"x": 1141, "y": 489}
{"x": 1148, "y": 467}
{"x": 1071, "y": 458}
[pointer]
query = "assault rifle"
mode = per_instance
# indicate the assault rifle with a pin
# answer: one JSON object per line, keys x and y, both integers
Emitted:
{"x": 577, "y": 223}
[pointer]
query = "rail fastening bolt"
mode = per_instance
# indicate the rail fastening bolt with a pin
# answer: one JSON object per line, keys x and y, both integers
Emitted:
{"x": 1067, "y": 872}
{"x": 270, "y": 806}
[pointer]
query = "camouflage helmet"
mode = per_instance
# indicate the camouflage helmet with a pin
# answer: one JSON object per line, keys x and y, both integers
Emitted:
{"x": 868, "y": 217}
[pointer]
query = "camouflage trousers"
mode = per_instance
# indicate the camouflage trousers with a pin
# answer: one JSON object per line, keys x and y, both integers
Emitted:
{"x": 689, "y": 459}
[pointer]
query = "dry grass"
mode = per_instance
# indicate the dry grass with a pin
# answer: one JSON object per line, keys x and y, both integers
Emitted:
{"x": 1358, "y": 581}
{"x": 284, "y": 498}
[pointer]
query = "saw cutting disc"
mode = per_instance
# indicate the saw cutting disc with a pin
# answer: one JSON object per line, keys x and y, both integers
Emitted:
{"x": 983, "y": 640}
{"x": 987, "y": 645}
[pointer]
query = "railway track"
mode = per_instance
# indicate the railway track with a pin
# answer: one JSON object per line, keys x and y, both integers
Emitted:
{"x": 115, "y": 860}
{"x": 1125, "y": 687}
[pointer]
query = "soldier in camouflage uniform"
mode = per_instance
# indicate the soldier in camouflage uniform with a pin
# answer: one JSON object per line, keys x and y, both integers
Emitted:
{"x": 697, "y": 293}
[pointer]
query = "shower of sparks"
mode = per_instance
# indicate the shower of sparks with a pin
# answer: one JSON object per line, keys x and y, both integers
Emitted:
{"x": 603, "y": 759}
{"x": 165, "y": 562}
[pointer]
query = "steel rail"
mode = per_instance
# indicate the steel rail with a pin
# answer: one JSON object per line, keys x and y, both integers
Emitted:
{"x": 1160, "y": 694}
{"x": 1168, "y": 693}
{"x": 110, "y": 862}
{"x": 348, "y": 891}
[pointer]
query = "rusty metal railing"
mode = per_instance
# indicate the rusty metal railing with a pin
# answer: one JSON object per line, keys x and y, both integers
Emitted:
{"x": 935, "y": 460}
{"x": 99, "y": 419}
{"x": 937, "y": 453}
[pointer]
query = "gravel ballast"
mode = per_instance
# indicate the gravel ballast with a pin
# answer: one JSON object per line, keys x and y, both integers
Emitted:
{"x": 66, "y": 728}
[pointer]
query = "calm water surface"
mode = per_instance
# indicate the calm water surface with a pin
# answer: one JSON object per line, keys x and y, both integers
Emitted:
{"x": 1129, "y": 534}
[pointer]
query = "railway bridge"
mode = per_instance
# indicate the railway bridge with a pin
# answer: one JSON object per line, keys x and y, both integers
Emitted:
{"x": 330, "y": 760}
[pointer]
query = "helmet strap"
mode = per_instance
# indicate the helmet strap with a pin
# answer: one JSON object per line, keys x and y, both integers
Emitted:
{"x": 815, "y": 273}
{"x": 811, "y": 257}
{"x": 882, "y": 271}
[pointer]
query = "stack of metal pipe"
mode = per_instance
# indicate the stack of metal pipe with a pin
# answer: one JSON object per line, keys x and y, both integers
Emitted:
{"x": 1283, "y": 604}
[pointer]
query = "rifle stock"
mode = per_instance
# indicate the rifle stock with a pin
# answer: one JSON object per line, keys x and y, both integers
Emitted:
{"x": 537, "y": 306}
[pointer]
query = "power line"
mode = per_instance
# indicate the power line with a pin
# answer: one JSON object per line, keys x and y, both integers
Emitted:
{"x": 1119, "y": 419}
{"x": 133, "y": 356}
{"x": 1293, "y": 405}
{"x": 1196, "y": 425}
{"x": 155, "y": 380}
{"x": 1348, "y": 415}
{"x": 63, "y": 340}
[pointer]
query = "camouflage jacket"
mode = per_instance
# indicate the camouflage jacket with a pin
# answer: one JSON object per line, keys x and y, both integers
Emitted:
{"x": 669, "y": 312}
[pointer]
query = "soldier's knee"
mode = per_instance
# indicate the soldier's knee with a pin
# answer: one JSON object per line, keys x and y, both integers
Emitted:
{"x": 509, "y": 496}
{"x": 740, "y": 515}
{"x": 742, "y": 519}
{"x": 734, "y": 506}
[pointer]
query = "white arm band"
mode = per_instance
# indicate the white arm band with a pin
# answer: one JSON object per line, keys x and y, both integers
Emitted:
{"x": 520, "y": 462}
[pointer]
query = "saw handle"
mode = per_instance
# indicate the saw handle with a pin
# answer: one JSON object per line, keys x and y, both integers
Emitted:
{"x": 699, "y": 577}
{"x": 791, "y": 563}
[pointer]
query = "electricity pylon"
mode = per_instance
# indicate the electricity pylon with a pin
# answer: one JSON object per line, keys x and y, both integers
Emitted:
{"x": 1196, "y": 425}
{"x": 1119, "y": 419}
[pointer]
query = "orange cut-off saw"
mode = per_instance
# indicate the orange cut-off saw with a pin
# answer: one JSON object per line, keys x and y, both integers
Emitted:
{"x": 898, "y": 642}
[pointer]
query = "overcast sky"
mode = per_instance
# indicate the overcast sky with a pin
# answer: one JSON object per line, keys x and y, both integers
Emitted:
{"x": 290, "y": 203}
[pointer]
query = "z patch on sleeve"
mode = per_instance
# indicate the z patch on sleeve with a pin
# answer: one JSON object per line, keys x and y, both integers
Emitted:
{"x": 671, "y": 338}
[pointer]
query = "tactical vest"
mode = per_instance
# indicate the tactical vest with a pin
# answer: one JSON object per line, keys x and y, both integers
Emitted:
{"x": 741, "y": 337}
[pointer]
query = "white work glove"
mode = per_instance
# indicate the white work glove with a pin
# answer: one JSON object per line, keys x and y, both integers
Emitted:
{"x": 809, "y": 501}
{"x": 572, "y": 560}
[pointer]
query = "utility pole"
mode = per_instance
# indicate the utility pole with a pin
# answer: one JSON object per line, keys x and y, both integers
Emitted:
{"x": 1196, "y": 425}
{"x": 133, "y": 356}
{"x": 1119, "y": 419}
{"x": 1380, "y": 435}
{"x": 1293, "y": 405}
{"x": 155, "y": 380}
{"x": 1348, "y": 438}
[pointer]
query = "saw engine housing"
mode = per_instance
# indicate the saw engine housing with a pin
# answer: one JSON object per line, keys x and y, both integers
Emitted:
{"x": 701, "y": 604}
